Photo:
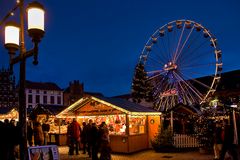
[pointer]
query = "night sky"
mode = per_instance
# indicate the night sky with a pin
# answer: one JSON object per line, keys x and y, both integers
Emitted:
{"x": 99, "y": 42}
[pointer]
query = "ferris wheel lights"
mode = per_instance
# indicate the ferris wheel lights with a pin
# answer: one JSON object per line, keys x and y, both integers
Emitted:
{"x": 179, "y": 24}
{"x": 170, "y": 28}
{"x": 198, "y": 27}
{"x": 214, "y": 42}
{"x": 219, "y": 66}
{"x": 161, "y": 32}
{"x": 154, "y": 40}
{"x": 205, "y": 33}
{"x": 218, "y": 77}
{"x": 218, "y": 53}
{"x": 148, "y": 48}
{"x": 188, "y": 24}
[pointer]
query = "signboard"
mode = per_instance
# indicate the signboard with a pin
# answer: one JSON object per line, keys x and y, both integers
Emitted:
{"x": 48, "y": 152}
{"x": 233, "y": 106}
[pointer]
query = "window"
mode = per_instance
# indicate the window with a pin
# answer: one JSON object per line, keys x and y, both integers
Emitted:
{"x": 29, "y": 91}
{"x": 137, "y": 124}
{"x": 29, "y": 98}
{"x": 37, "y": 98}
{"x": 37, "y": 91}
{"x": 44, "y": 99}
{"x": 44, "y": 92}
{"x": 52, "y": 100}
{"x": 59, "y": 100}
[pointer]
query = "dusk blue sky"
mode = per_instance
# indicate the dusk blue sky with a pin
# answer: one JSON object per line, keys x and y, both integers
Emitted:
{"x": 99, "y": 42}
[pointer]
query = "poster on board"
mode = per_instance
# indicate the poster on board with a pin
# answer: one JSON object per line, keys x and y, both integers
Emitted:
{"x": 48, "y": 152}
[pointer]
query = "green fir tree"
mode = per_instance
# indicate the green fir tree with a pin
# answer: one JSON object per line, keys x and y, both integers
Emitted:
{"x": 141, "y": 88}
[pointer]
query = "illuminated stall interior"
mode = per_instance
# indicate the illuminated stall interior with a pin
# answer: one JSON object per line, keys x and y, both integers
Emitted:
{"x": 47, "y": 113}
{"x": 8, "y": 113}
{"x": 123, "y": 118}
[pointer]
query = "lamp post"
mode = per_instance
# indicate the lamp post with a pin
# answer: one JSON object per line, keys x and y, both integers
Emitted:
{"x": 13, "y": 35}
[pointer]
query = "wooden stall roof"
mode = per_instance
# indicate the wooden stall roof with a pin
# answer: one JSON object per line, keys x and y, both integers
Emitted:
{"x": 46, "y": 109}
{"x": 99, "y": 105}
{"x": 181, "y": 108}
{"x": 6, "y": 110}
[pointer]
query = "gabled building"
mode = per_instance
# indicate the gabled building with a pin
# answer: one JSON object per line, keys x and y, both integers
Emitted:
{"x": 47, "y": 93}
{"x": 74, "y": 92}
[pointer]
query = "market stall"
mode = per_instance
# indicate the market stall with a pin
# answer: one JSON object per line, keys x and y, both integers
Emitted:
{"x": 131, "y": 126}
{"x": 58, "y": 127}
{"x": 8, "y": 113}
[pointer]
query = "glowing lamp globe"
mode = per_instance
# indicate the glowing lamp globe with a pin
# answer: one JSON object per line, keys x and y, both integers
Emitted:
{"x": 12, "y": 32}
{"x": 35, "y": 12}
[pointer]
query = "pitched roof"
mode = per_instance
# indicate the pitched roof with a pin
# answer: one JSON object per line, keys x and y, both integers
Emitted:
{"x": 125, "y": 104}
{"x": 47, "y": 109}
{"x": 42, "y": 85}
{"x": 5, "y": 110}
{"x": 115, "y": 103}
{"x": 181, "y": 108}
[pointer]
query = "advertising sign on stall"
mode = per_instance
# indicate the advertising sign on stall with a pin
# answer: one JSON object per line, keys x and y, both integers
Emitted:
{"x": 48, "y": 152}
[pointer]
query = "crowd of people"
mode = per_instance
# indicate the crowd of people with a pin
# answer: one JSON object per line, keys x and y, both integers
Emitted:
{"x": 10, "y": 139}
{"x": 37, "y": 132}
{"x": 91, "y": 138}
{"x": 10, "y": 134}
{"x": 225, "y": 140}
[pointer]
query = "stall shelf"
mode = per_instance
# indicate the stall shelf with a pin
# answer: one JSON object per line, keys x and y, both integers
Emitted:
{"x": 47, "y": 114}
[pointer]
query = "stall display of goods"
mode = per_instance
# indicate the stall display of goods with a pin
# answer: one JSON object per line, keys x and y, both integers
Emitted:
{"x": 137, "y": 124}
{"x": 115, "y": 123}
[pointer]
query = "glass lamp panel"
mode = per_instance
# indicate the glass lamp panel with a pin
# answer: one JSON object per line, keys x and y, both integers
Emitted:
{"x": 35, "y": 18}
{"x": 12, "y": 35}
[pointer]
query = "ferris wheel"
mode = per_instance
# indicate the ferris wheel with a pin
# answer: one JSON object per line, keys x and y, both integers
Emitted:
{"x": 183, "y": 64}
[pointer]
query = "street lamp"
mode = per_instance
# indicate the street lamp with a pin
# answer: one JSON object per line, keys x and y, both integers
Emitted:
{"x": 12, "y": 30}
{"x": 13, "y": 35}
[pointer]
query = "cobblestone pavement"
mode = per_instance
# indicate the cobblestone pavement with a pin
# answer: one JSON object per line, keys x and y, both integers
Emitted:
{"x": 143, "y": 155}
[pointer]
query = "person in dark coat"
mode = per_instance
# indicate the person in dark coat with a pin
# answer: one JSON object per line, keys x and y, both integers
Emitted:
{"x": 74, "y": 132}
{"x": 228, "y": 141}
{"x": 105, "y": 148}
{"x": 38, "y": 134}
{"x": 45, "y": 128}
{"x": 95, "y": 140}
{"x": 84, "y": 137}
{"x": 2, "y": 136}
{"x": 217, "y": 146}
{"x": 9, "y": 139}
{"x": 89, "y": 137}
{"x": 29, "y": 134}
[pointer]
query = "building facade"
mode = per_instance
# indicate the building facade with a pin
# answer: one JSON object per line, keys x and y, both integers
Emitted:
{"x": 73, "y": 92}
{"x": 8, "y": 92}
{"x": 46, "y": 93}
